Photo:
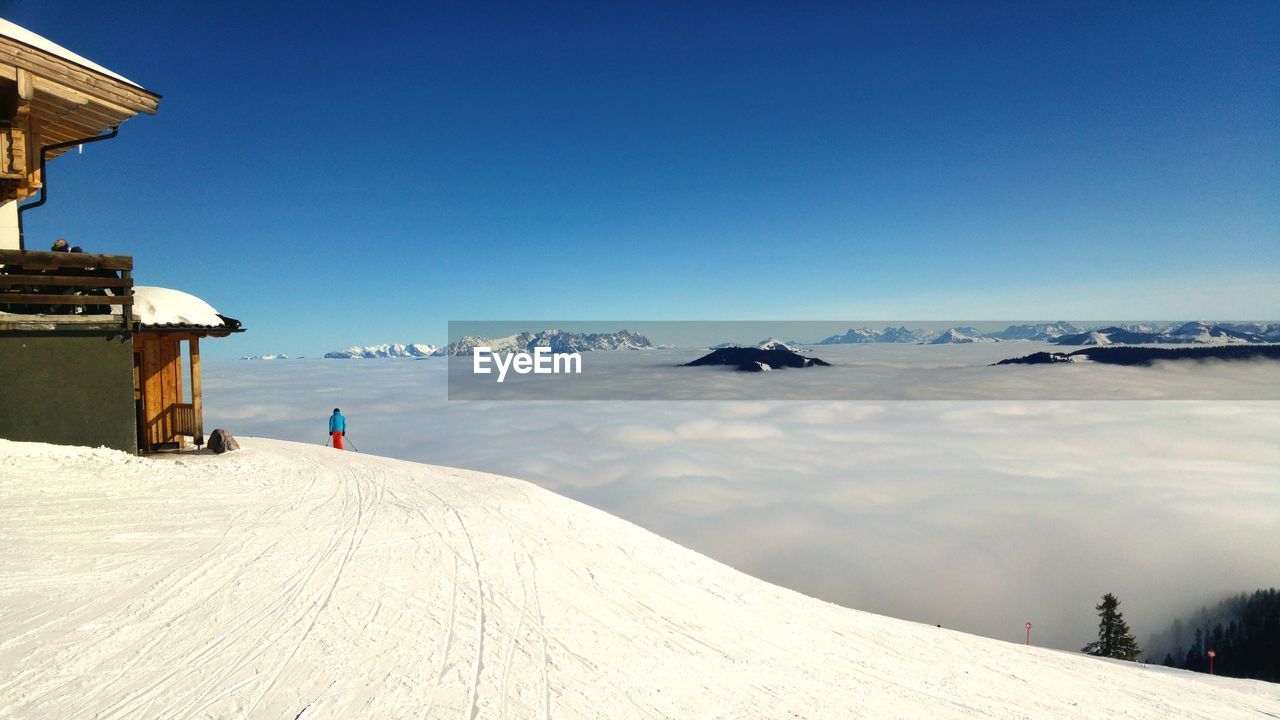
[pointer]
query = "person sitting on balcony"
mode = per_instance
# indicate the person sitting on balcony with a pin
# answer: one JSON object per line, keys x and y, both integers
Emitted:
{"x": 61, "y": 245}
{"x": 78, "y": 290}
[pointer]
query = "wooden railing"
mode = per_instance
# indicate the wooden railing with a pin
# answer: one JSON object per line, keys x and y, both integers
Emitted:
{"x": 65, "y": 283}
{"x": 187, "y": 422}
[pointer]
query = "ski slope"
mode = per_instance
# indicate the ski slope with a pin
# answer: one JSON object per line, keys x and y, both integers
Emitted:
{"x": 295, "y": 581}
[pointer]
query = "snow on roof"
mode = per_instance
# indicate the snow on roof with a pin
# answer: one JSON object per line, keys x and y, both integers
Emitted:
{"x": 26, "y": 37}
{"x": 156, "y": 306}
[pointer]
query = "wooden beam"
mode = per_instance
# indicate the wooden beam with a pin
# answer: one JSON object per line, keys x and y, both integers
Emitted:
{"x": 49, "y": 88}
{"x": 26, "y": 90}
{"x": 197, "y": 404}
{"x": 52, "y": 323}
{"x": 45, "y": 65}
{"x": 151, "y": 397}
{"x": 29, "y": 299}
{"x": 43, "y": 259}
{"x": 63, "y": 281}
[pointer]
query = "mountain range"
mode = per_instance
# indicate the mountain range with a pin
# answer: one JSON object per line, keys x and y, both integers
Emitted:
{"x": 769, "y": 344}
{"x": 388, "y": 350}
{"x": 1060, "y": 333}
{"x": 557, "y": 340}
{"x": 1064, "y": 333}
{"x": 1192, "y": 333}
{"x": 954, "y": 335}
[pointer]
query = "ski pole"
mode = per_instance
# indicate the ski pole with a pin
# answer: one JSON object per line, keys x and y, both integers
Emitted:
{"x": 353, "y": 445}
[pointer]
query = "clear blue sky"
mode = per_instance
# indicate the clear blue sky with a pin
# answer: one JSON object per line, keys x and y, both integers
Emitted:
{"x": 337, "y": 176}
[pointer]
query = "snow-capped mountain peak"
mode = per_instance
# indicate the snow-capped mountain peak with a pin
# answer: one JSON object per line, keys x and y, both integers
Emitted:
{"x": 1191, "y": 333}
{"x": 1036, "y": 331}
{"x": 774, "y": 344}
{"x": 386, "y": 350}
{"x": 961, "y": 335}
{"x": 557, "y": 340}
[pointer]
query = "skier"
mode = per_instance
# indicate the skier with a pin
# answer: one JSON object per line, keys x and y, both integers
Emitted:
{"x": 337, "y": 428}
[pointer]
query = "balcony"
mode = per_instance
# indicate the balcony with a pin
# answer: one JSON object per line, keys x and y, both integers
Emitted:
{"x": 49, "y": 290}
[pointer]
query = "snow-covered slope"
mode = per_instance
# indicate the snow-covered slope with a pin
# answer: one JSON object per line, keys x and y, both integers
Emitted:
{"x": 386, "y": 350}
{"x": 295, "y": 581}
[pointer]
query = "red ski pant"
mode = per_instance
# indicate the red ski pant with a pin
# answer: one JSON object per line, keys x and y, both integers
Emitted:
{"x": 337, "y": 440}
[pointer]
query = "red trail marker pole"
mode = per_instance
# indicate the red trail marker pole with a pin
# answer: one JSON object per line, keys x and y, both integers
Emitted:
{"x": 1028, "y": 633}
{"x": 1212, "y": 655}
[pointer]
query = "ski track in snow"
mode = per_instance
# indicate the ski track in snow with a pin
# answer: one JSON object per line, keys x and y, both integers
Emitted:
{"x": 294, "y": 581}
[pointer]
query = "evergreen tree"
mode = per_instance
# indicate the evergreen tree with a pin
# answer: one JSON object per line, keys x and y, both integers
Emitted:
{"x": 1243, "y": 631}
{"x": 1114, "y": 639}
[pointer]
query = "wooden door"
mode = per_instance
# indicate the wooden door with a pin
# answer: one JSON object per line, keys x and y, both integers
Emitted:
{"x": 161, "y": 388}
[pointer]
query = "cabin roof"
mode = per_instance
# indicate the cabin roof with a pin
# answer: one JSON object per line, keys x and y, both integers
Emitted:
{"x": 39, "y": 42}
{"x": 67, "y": 96}
{"x": 166, "y": 309}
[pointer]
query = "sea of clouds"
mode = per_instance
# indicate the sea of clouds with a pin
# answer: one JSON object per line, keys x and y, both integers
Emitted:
{"x": 978, "y": 515}
{"x": 890, "y": 371}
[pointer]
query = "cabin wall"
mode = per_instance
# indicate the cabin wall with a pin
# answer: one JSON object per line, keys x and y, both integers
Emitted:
{"x": 68, "y": 388}
{"x": 9, "y": 226}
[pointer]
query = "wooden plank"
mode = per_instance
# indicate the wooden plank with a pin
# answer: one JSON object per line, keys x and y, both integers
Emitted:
{"x": 62, "y": 123}
{"x": 44, "y": 259}
{"x": 27, "y": 299}
{"x": 171, "y": 381}
{"x": 26, "y": 90}
{"x": 126, "y": 311}
{"x": 151, "y": 392}
{"x": 51, "y": 323}
{"x": 63, "y": 281}
{"x": 60, "y": 98}
{"x": 197, "y": 403}
{"x": 43, "y": 65}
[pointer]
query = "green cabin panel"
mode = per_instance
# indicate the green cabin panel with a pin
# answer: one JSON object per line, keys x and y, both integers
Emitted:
{"x": 68, "y": 388}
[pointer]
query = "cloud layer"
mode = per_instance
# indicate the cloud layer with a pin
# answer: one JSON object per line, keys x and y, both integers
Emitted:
{"x": 878, "y": 372}
{"x": 978, "y": 516}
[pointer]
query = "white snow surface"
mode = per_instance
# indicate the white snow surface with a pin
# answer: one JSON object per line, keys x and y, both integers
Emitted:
{"x": 295, "y": 581}
{"x": 23, "y": 35}
{"x": 166, "y": 306}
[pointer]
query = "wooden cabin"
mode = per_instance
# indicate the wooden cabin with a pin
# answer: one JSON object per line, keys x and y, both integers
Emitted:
{"x": 86, "y": 358}
{"x": 169, "y": 411}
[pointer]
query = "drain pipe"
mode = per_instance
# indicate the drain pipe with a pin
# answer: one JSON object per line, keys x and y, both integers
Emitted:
{"x": 44, "y": 182}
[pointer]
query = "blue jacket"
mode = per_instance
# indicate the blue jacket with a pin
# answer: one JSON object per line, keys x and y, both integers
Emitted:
{"x": 337, "y": 423}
